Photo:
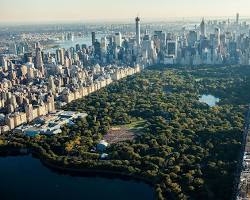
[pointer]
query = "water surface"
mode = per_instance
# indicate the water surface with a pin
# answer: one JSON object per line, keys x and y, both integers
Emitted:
{"x": 25, "y": 178}
{"x": 72, "y": 43}
{"x": 209, "y": 100}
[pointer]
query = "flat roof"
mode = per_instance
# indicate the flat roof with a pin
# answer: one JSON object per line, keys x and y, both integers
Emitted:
{"x": 52, "y": 122}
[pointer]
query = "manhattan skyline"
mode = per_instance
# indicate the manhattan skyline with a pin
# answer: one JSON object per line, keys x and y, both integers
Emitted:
{"x": 109, "y": 99}
{"x": 28, "y": 11}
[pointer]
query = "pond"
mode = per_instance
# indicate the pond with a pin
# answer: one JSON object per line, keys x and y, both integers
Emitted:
{"x": 24, "y": 177}
{"x": 209, "y": 100}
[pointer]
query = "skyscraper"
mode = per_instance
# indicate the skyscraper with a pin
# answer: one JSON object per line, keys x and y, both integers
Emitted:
{"x": 93, "y": 38}
{"x": 4, "y": 63}
{"x": 192, "y": 38}
{"x": 51, "y": 84}
{"x": 60, "y": 56}
{"x": 217, "y": 36}
{"x": 138, "y": 31}
{"x": 118, "y": 39}
{"x": 39, "y": 60}
{"x": 97, "y": 49}
{"x": 104, "y": 44}
{"x": 237, "y": 18}
{"x": 203, "y": 28}
{"x": 162, "y": 37}
{"x": 172, "y": 48}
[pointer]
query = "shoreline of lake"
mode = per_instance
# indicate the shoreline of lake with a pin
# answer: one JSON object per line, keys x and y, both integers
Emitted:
{"x": 78, "y": 173}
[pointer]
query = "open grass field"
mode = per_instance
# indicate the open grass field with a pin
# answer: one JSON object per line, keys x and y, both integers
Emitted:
{"x": 126, "y": 132}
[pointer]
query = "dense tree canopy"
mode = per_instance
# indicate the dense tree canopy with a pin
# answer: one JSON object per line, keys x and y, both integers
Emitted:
{"x": 186, "y": 149}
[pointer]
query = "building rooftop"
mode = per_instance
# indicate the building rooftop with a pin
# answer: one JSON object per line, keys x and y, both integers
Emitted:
{"x": 50, "y": 124}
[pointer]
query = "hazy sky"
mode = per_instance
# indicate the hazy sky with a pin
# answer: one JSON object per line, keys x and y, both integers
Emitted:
{"x": 102, "y": 10}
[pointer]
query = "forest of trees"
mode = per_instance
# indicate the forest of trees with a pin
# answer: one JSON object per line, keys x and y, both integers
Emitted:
{"x": 187, "y": 150}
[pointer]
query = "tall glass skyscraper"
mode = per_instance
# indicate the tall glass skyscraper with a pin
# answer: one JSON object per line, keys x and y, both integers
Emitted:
{"x": 138, "y": 31}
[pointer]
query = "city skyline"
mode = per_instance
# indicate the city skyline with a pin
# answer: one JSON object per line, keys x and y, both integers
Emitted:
{"x": 52, "y": 11}
{"x": 155, "y": 92}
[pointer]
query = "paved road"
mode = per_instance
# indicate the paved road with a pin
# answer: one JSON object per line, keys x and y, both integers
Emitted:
{"x": 240, "y": 166}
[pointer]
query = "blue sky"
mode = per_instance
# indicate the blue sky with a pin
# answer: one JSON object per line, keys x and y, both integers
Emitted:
{"x": 102, "y": 10}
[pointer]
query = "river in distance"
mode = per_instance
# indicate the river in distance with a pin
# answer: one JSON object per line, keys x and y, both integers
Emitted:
{"x": 66, "y": 44}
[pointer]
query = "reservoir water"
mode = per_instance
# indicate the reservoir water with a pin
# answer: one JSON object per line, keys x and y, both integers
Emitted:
{"x": 26, "y": 178}
{"x": 209, "y": 100}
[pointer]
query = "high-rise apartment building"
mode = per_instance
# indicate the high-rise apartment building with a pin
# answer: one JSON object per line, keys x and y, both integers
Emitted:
{"x": 138, "y": 31}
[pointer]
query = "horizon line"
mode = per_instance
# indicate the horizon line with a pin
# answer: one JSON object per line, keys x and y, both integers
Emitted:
{"x": 121, "y": 20}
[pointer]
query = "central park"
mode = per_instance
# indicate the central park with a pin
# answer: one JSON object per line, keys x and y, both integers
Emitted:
{"x": 178, "y": 129}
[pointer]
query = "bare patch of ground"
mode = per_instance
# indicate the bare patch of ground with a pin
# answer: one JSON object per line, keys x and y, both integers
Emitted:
{"x": 124, "y": 133}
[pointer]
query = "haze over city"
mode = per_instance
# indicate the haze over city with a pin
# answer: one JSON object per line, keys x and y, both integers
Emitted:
{"x": 112, "y": 10}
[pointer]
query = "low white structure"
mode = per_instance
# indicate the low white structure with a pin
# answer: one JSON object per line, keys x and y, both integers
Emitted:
{"x": 50, "y": 124}
{"x": 102, "y": 146}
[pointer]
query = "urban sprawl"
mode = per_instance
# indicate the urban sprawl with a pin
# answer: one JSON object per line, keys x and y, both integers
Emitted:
{"x": 36, "y": 81}
{"x": 38, "y": 77}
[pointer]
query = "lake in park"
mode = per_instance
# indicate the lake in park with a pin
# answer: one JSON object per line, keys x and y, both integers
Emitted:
{"x": 209, "y": 100}
{"x": 26, "y": 178}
